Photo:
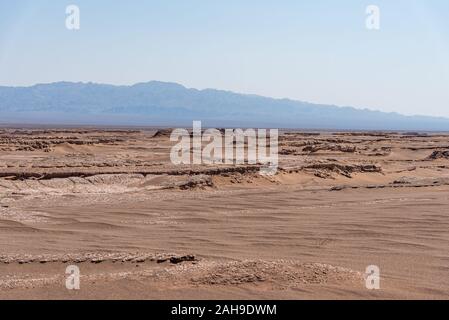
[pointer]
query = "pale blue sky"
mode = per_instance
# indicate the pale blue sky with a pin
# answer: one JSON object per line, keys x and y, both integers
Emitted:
{"x": 317, "y": 51}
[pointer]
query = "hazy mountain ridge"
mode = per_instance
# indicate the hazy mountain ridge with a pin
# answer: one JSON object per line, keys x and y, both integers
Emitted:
{"x": 159, "y": 102}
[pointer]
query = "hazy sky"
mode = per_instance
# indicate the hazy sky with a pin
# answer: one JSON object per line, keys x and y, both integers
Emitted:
{"x": 318, "y": 51}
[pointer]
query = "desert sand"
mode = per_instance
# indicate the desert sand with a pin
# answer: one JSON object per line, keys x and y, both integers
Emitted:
{"x": 139, "y": 227}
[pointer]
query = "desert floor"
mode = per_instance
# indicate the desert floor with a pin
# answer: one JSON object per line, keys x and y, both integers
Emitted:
{"x": 139, "y": 227}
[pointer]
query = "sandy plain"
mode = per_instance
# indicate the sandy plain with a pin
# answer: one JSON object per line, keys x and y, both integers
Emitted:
{"x": 139, "y": 227}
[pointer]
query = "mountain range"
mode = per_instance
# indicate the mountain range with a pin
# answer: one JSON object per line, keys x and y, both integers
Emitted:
{"x": 169, "y": 104}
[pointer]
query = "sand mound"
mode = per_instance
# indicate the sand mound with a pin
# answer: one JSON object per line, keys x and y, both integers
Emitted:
{"x": 281, "y": 272}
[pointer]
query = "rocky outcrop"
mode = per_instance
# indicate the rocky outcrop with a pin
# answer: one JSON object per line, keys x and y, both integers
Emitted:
{"x": 440, "y": 154}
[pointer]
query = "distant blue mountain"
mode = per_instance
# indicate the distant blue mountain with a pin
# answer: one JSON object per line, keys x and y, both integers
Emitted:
{"x": 169, "y": 104}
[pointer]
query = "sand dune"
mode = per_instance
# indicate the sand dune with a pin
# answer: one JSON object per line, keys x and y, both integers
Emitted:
{"x": 111, "y": 202}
